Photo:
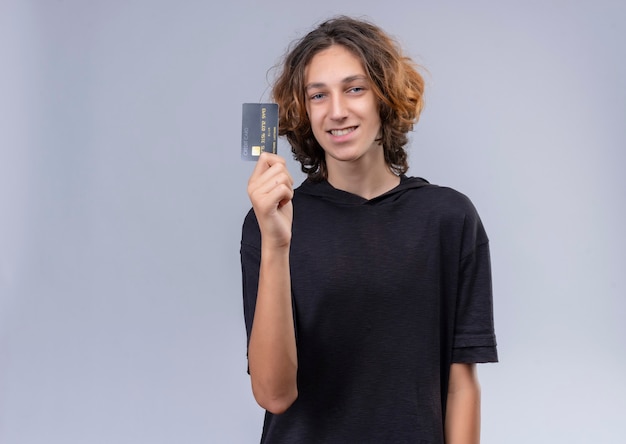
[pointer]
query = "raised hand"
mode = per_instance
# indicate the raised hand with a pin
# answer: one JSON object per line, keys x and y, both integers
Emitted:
{"x": 270, "y": 189}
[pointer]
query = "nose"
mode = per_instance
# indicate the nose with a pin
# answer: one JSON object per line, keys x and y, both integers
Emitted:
{"x": 339, "y": 110}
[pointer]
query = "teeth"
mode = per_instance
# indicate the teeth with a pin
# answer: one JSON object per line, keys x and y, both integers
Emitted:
{"x": 342, "y": 132}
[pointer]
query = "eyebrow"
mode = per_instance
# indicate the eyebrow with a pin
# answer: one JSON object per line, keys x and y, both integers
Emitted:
{"x": 348, "y": 79}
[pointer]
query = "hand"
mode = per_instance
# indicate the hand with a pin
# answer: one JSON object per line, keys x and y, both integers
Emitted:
{"x": 270, "y": 189}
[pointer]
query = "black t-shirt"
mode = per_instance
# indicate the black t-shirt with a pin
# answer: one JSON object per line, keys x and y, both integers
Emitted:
{"x": 387, "y": 294}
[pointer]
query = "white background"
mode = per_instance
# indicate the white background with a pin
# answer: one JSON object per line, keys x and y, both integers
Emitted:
{"x": 122, "y": 195}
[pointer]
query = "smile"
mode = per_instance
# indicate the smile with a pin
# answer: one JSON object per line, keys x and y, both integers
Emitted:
{"x": 342, "y": 132}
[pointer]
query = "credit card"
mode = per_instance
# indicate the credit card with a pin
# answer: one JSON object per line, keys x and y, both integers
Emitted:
{"x": 259, "y": 129}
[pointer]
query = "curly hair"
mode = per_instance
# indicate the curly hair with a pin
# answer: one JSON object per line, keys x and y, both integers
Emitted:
{"x": 395, "y": 82}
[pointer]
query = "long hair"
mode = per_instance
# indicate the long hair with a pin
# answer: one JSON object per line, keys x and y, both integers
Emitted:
{"x": 396, "y": 83}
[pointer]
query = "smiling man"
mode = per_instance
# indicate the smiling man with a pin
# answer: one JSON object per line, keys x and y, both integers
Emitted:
{"x": 367, "y": 293}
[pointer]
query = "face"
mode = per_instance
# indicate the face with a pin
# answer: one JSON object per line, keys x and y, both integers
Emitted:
{"x": 342, "y": 108}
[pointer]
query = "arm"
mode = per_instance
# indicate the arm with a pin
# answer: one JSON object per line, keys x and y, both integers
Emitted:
{"x": 463, "y": 407}
{"x": 272, "y": 353}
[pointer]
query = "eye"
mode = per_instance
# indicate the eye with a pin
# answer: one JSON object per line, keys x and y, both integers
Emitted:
{"x": 316, "y": 96}
{"x": 356, "y": 89}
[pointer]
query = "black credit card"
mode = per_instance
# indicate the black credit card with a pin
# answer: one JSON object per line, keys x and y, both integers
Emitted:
{"x": 259, "y": 129}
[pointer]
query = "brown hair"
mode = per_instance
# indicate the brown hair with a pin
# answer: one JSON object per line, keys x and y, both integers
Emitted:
{"x": 394, "y": 78}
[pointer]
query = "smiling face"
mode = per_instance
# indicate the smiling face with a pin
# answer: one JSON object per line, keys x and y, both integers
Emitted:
{"x": 343, "y": 109}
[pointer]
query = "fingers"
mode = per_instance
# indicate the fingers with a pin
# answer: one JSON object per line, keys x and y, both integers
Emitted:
{"x": 269, "y": 173}
{"x": 265, "y": 162}
{"x": 270, "y": 189}
{"x": 270, "y": 184}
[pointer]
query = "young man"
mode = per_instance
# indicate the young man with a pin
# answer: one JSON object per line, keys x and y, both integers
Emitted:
{"x": 367, "y": 293}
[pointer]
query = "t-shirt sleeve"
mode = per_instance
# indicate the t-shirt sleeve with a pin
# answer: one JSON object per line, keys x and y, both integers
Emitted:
{"x": 474, "y": 333}
{"x": 250, "y": 254}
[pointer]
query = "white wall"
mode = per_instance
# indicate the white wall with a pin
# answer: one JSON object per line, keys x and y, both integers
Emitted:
{"x": 122, "y": 195}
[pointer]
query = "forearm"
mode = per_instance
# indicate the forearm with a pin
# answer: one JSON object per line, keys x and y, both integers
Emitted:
{"x": 272, "y": 351}
{"x": 463, "y": 406}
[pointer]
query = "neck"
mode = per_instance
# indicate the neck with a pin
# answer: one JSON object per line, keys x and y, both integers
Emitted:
{"x": 365, "y": 180}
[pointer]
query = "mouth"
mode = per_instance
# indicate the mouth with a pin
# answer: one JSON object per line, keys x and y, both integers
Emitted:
{"x": 342, "y": 132}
